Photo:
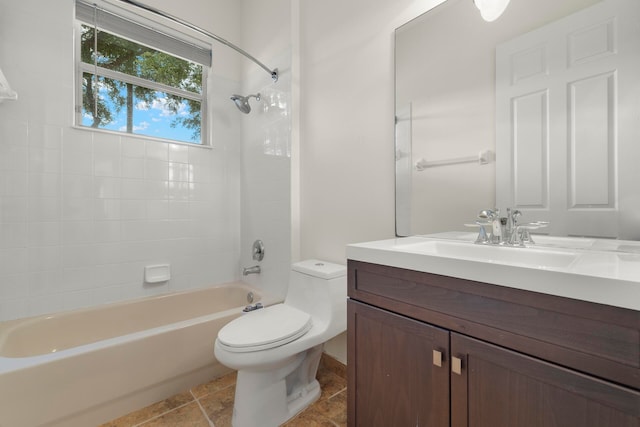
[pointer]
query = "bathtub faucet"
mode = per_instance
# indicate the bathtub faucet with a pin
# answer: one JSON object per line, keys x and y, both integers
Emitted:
{"x": 251, "y": 270}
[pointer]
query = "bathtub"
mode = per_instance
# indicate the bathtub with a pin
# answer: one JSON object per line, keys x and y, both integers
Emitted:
{"x": 85, "y": 367}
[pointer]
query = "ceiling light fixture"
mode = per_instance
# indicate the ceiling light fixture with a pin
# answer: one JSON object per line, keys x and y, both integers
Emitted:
{"x": 491, "y": 9}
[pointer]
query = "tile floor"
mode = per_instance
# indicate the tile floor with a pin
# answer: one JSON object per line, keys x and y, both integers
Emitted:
{"x": 211, "y": 404}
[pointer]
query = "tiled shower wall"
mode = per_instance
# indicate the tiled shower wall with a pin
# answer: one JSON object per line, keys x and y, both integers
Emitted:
{"x": 82, "y": 213}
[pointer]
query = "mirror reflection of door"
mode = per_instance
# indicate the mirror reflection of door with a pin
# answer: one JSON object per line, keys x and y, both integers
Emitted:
{"x": 446, "y": 71}
{"x": 560, "y": 135}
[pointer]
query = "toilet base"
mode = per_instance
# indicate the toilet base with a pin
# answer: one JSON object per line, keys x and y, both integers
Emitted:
{"x": 268, "y": 398}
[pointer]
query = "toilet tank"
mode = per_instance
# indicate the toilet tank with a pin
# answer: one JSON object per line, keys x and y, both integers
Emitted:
{"x": 320, "y": 289}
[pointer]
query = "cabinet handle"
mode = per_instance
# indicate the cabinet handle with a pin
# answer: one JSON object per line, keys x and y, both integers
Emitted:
{"x": 456, "y": 365}
{"x": 437, "y": 358}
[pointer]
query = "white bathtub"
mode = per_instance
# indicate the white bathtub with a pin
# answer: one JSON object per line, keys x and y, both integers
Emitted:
{"x": 85, "y": 367}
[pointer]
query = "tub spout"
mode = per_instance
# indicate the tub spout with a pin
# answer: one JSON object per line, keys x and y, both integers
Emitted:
{"x": 251, "y": 270}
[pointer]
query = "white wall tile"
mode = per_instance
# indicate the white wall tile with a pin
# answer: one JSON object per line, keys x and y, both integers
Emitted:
{"x": 13, "y": 209}
{"x": 14, "y": 286}
{"x": 13, "y": 235}
{"x": 106, "y": 209}
{"x": 77, "y": 256}
{"x": 132, "y": 167}
{"x": 44, "y": 209}
{"x": 78, "y": 299}
{"x": 44, "y": 282}
{"x": 44, "y": 234}
{"x": 77, "y": 232}
{"x": 77, "y": 186}
{"x": 157, "y": 151}
{"x": 44, "y": 258}
{"x": 106, "y": 295}
{"x": 74, "y": 279}
{"x": 45, "y": 136}
{"x": 178, "y": 191}
{"x": 179, "y": 210}
{"x": 13, "y": 183}
{"x": 133, "y": 189}
{"x": 156, "y": 170}
{"x": 180, "y": 172}
{"x": 108, "y": 253}
{"x": 44, "y": 185}
{"x": 14, "y": 261}
{"x": 14, "y": 158}
{"x": 77, "y": 209}
{"x": 134, "y": 230}
{"x": 156, "y": 190}
{"x": 178, "y": 153}
{"x": 133, "y": 209}
{"x": 133, "y": 147}
{"x": 157, "y": 209}
{"x": 107, "y": 187}
{"x": 200, "y": 173}
{"x": 77, "y": 140}
{"x": 107, "y": 231}
{"x": 82, "y": 212}
{"x": 77, "y": 162}
{"x": 44, "y": 160}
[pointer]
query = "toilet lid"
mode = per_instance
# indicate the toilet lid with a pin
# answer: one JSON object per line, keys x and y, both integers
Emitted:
{"x": 265, "y": 328}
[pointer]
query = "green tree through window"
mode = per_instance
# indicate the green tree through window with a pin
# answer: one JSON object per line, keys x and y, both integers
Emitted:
{"x": 124, "y": 81}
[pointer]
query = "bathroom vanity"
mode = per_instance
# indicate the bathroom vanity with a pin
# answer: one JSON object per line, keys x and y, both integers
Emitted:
{"x": 442, "y": 332}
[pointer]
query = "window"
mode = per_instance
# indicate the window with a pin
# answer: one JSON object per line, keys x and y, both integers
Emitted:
{"x": 136, "y": 79}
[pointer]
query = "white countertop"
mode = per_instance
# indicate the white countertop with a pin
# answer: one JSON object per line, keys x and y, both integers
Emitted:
{"x": 603, "y": 271}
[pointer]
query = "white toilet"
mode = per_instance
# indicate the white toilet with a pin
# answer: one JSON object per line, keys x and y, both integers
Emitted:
{"x": 276, "y": 350}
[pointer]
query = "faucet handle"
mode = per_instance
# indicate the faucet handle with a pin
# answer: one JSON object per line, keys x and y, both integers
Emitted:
{"x": 487, "y": 214}
{"x": 482, "y": 233}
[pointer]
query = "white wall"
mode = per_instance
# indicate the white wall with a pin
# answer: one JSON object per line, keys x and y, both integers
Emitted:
{"x": 266, "y": 152}
{"x": 82, "y": 213}
{"x": 347, "y": 125}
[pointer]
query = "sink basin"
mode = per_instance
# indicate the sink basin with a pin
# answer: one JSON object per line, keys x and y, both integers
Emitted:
{"x": 565, "y": 242}
{"x": 603, "y": 271}
{"x": 541, "y": 258}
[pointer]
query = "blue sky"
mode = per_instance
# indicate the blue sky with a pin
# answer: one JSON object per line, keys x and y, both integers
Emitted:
{"x": 150, "y": 119}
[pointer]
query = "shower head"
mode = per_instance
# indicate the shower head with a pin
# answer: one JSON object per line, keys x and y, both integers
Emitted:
{"x": 242, "y": 102}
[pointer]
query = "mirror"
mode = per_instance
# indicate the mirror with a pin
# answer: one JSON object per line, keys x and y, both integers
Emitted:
{"x": 538, "y": 110}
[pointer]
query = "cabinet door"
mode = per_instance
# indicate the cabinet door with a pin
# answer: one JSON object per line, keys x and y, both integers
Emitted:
{"x": 501, "y": 388}
{"x": 394, "y": 377}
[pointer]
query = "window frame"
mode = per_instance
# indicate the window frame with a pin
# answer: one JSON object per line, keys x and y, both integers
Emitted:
{"x": 94, "y": 69}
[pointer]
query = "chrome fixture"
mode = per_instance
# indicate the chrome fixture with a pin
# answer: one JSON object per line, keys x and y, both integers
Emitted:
{"x": 491, "y": 9}
{"x": 251, "y": 270}
{"x": 272, "y": 72}
{"x": 492, "y": 219}
{"x": 505, "y": 230}
{"x": 255, "y": 307}
{"x": 250, "y": 297}
{"x": 511, "y": 227}
{"x": 258, "y": 250}
{"x": 242, "y": 102}
{"x": 5, "y": 90}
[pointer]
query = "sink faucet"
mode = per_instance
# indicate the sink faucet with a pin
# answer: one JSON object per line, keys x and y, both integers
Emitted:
{"x": 251, "y": 270}
{"x": 495, "y": 226}
{"x": 504, "y": 230}
{"x": 511, "y": 229}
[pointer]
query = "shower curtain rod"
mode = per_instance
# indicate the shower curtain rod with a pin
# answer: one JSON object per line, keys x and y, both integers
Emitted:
{"x": 273, "y": 73}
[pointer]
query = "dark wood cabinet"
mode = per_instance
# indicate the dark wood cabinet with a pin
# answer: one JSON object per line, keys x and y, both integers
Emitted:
{"x": 401, "y": 370}
{"x": 498, "y": 387}
{"x": 427, "y": 350}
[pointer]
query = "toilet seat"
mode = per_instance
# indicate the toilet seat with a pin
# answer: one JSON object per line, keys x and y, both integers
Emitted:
{"x": 263, "y": 329}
